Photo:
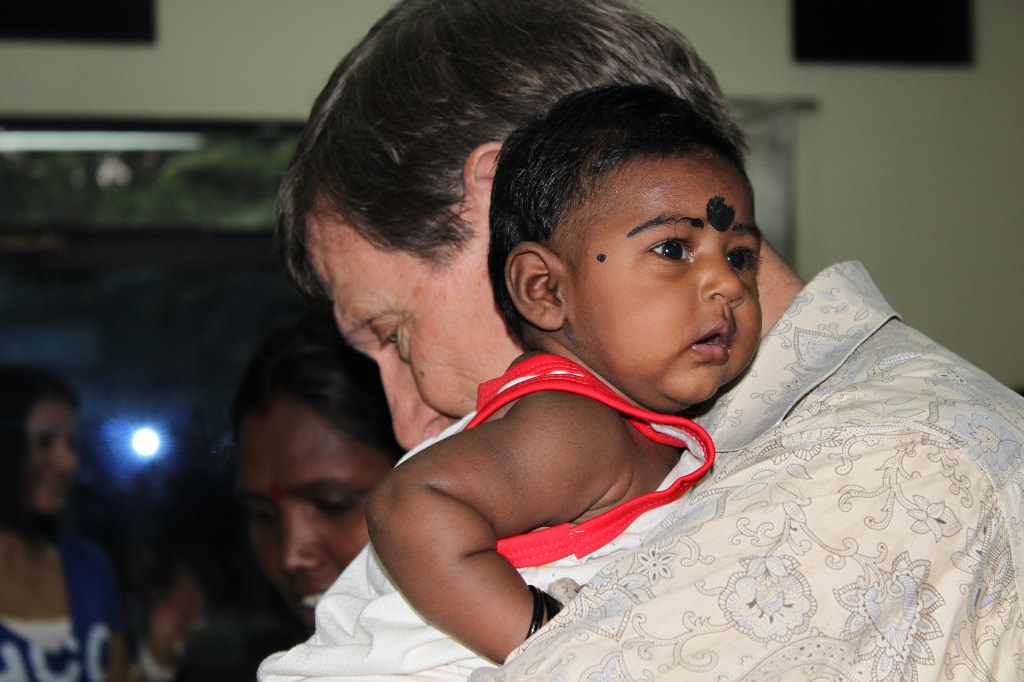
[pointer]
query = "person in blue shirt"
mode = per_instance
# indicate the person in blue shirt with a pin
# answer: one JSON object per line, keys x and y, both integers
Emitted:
{"x": 60, "y": 611}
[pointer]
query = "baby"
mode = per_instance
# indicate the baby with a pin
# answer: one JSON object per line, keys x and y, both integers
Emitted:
{"x": 623, "y": 255}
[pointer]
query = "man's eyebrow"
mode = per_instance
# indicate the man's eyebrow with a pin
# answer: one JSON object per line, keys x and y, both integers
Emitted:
{"x": 665, "y": 220}
{"x": 352, "y": 323}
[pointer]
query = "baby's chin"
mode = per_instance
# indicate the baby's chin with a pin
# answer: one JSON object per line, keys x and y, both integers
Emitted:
{"x": 681, "y": 401}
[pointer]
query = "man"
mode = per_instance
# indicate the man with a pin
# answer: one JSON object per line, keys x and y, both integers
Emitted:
{"x": 863, "y": 519}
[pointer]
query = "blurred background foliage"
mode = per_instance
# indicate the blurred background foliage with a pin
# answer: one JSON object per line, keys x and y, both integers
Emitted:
{"x": 229, "y": 182}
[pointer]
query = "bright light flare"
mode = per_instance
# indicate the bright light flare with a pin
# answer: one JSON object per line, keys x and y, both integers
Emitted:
{"x": 145, "y": 442}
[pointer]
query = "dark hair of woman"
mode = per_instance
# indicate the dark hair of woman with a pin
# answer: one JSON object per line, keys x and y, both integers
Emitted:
{"x": 310, "y": 361}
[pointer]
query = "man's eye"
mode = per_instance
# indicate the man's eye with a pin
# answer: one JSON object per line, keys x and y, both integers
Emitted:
{"x": 392, "y": 342}
{"x": 742, "y": 259}
{"x": 385, "y": 338}
{"x": 673, "y": 249}
{"x": 385, "y": 332}
{"x": 400, "y": 339}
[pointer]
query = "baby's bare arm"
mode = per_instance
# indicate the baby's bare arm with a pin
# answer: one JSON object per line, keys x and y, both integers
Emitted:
{"x": 441, "y": 554}
{"x": 435, "y": 520}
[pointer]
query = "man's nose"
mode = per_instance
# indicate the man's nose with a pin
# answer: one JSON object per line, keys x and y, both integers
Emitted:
{"x": 412, "y": 420}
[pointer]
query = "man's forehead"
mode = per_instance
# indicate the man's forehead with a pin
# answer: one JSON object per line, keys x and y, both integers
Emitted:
{"x": 349, "y": 269}
{"x": 336, "y": 252}
{"x": 326, "y": 242}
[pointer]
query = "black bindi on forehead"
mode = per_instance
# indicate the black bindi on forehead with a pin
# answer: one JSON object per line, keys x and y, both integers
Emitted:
{"x": 601, "y": 257}
{"x": 720, "y": 214}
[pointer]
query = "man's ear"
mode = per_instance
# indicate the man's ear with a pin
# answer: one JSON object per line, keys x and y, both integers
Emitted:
{"x": 534, "y": 276}
{"x": 477, "y": 177}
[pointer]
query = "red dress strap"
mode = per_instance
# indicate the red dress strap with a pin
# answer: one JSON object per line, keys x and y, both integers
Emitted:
{"x": 547, "y": 372}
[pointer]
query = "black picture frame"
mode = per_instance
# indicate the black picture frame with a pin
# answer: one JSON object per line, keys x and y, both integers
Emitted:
{"x": 110, "y": 21}
{"x": 899, "y": 32}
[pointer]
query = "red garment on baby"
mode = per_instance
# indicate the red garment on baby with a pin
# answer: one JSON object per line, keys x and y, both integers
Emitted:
{"x": 548, "y": 372}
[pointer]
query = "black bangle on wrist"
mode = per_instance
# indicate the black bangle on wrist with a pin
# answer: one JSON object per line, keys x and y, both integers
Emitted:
{"x": 544, "y": 609}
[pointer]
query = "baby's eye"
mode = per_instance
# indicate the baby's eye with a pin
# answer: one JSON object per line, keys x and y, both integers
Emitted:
{"x": 742, "y": 259}
{"x": 673, "y": 249}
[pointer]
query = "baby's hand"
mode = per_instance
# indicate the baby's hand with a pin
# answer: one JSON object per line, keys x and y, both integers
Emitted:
{"x": 564, "y": 590}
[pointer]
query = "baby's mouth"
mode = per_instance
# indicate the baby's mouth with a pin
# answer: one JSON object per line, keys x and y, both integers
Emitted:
{"x": 713, "y": 340}
{"x": 721, "y": 335}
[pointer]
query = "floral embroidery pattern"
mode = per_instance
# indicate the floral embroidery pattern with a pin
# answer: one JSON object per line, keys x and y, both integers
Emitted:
{"x": 770, "y": 600}
{"x": 655, "y": 565}
{"x": 929, "y": 516}
{"x": 933, "y": 517}
{"x": 989, "y": 439}
{"x": 987, "y": 554}
{"x": 891, "y": 617}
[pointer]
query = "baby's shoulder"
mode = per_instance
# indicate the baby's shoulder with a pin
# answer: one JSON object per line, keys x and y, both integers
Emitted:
{"x": 569, "y": 416}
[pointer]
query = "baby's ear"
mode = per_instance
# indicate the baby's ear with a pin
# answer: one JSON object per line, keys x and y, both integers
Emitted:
{"x": 533, "y": 275}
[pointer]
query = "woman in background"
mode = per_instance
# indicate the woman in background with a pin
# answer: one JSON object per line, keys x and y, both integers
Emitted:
{"x": 60, "y": 612}
{"x": 314, "y": 437}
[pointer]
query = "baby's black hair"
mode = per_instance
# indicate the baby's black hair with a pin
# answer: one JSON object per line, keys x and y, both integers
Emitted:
{"x": 553, "y": 165}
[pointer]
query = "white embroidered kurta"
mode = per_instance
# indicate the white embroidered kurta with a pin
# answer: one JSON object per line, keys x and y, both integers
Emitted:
{"x": 864, "y": 521}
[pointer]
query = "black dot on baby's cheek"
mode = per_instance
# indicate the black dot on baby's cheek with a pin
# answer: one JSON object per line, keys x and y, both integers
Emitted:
{"x": 601, "y": 257}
